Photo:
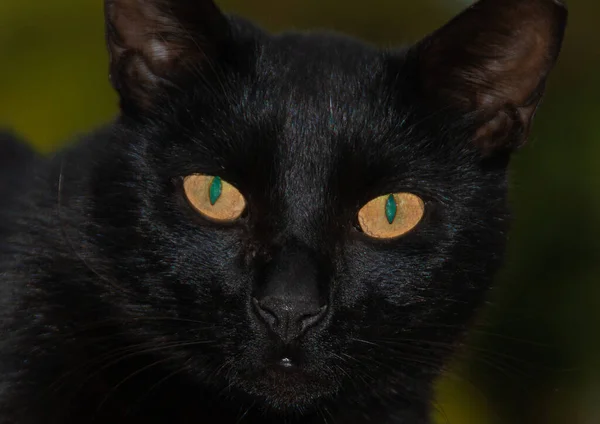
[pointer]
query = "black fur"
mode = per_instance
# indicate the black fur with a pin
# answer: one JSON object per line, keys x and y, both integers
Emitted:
{"x": 120, "y": 304}
{"x": 15, "y": 158}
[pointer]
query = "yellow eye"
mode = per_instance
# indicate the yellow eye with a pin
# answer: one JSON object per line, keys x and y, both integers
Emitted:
{"x": 391, "y": 216}
{"x": 214, "y": 198}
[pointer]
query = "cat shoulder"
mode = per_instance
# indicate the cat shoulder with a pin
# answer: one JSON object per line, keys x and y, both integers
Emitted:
{"x": 13, "y": 151}
{"x": 16, "y": 156}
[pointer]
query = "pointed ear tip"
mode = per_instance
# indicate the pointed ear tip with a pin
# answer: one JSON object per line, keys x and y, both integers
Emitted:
{"x": 561, "y": 6}
{"x": 561, "y": 3}
{"x": 553, "y": 6}
{"x": 560, "y": 10}
{"x": 561, "y": 16}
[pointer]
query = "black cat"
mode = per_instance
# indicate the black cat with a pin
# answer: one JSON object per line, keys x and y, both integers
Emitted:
{"x": 276, "y": 229}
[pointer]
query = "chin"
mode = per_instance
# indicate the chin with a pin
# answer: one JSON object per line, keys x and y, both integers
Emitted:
{"x": 287, "y": 389}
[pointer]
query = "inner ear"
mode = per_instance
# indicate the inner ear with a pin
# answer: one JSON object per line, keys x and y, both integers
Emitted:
{"x": 151, "y": 42}
{"x": 493, "y": 61}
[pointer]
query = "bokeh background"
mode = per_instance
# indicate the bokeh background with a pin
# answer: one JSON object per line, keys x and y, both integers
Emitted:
{"x": 534, "y": 356}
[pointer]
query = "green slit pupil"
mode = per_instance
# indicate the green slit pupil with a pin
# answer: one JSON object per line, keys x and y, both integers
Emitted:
{"x": 391, "y": 209}
{"x": 215, "y": 190}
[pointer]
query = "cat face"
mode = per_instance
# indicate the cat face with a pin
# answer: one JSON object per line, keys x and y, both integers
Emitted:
{"x": 292, "y": 299}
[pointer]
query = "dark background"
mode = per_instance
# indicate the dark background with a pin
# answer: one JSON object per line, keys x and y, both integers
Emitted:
{"x": 535, "y": 355}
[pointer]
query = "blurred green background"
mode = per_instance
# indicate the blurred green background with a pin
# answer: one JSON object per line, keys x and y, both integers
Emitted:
{"x": 534, "y": 358}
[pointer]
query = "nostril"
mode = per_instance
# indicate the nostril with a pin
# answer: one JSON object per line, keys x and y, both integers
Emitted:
{"x": 312, "y": 318}
{"x": 268, "y": 315}
{"x": 288, "y": 319}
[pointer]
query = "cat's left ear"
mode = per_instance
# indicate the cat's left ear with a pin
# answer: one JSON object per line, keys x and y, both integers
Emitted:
{"x": 492, "y": 62}
{"x": 152, "y": 42}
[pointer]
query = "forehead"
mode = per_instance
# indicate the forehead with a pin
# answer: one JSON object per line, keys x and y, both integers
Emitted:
{"x": 321, "y": 68}
{"x": 328, "y": 91}
{"x": 314, "y": 109}
{"x": 323, "y": 88}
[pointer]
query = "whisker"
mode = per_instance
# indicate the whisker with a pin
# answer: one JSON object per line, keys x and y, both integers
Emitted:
{"x": 420, "y": 361}
{"x": 156, "y": 385}
{"x": 58, "y": 382}
{"x": 129, "y": 377}
{"x": 485, "y": 332}
{"x": 491, "y": 359}
{"x": 129, "y": 353}
{"x": 241, "y": 418}
{"x": 364, "y": 341}
{"x": 448, "y": 346}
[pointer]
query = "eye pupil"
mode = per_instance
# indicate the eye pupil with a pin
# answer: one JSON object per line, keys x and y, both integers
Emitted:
{"x": 215, "y": 190}
{"x": 391, "y": 209}
{"x": 391, "y": 215}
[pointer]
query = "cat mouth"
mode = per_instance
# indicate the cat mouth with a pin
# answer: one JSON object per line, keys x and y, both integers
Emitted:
{"x": 285, "y": 384}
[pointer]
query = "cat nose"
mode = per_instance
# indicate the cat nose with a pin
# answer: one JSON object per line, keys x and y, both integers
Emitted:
{"x": 288, "y": 318}
{"x": 291, "y": 291}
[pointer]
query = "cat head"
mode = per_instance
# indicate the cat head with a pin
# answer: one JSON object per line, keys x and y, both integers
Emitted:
{"x": 318, "y": 218}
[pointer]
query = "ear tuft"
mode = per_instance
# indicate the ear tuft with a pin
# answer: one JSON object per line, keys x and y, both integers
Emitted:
{"x": 493, "y": 60}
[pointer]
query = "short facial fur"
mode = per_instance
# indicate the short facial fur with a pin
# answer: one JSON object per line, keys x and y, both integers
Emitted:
{"x": 120, "y": 303}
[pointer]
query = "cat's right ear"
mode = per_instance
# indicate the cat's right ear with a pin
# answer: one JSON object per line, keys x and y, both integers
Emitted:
{"x": 153, "y": 42}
